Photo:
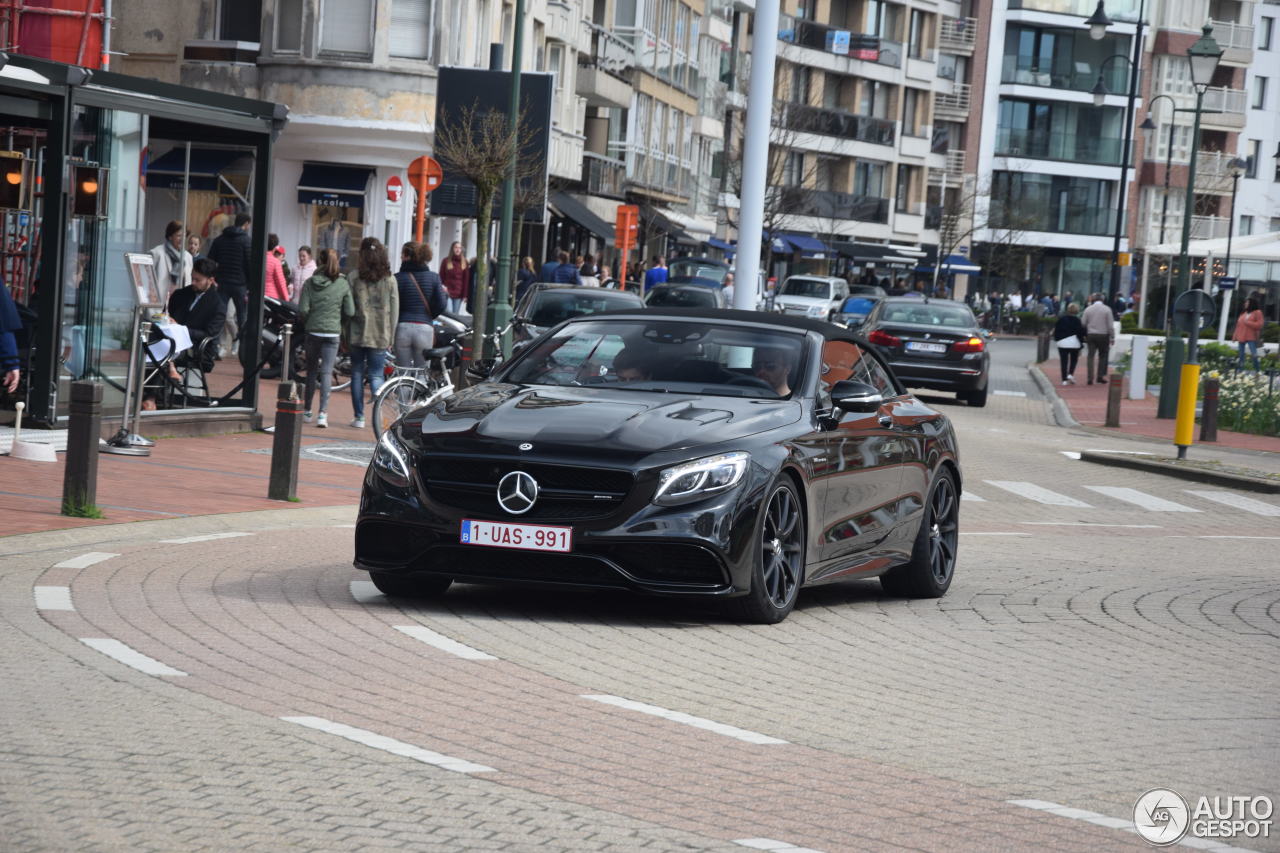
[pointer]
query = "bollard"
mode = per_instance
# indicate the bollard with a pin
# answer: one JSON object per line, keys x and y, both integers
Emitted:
{"x": 285, "y": 444}
{"x": 1115, "y": 391}
{"x": 84, "y": 428}
{"x": 1042, "y": 347}
{"x": 1209, "y": 415}
{"x": 1167, "y": 405}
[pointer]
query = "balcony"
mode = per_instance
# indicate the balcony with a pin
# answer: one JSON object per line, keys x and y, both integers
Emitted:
{"x": 827, "y": 204}
{"x": 603, "y": 73}
{"x": 1224, "y": 108}
{"x": 952, "y": 106}
{"x": 827, "y": 39}
{"x": 1061, "y": 219}
{"x": 1080, "y": 78}
{"x": 604, "y": 176}
{"x": 564, "y": 23}
{"x": 1236, "y": 41}
{"x": 958, "y": 35}
{"x": 1213, "y": 171}
{"x": 1207, "y": 227}
{"x": 952, "y": 172}
{"x": 1123, "y": 10}
{"x": 806, "y": 119}
{"x": 1071, "y": 147}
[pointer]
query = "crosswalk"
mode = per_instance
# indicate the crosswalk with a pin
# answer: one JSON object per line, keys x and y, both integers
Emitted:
{"x": 1125, "y": 496}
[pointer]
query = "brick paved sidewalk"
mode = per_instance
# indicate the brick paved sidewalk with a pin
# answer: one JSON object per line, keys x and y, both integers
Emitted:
{"x": 1088, "y": 405}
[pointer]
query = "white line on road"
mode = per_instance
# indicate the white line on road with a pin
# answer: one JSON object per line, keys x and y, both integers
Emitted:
{"x": 1220, "y": 536}
{"x": 208, "y": 537}
{"x": 1235, "y": 501}
{"x": 1000, "y": 393}
{"x": 970, "y": 496}
{"x": 365, "y": 592}
{"x": 687, "y": 719}
{"x": 1039, "y": 494}
{"x": 1071, "y": 454}
{"x": 1091, "y": 524}
{"x": 980, "y": 533}
{"x": 1120, "y": 823}
{"x": 84, "y": 561}
{"x": 1142, "y": 499}
{"x": 443, "y": 643}
{"x": 386, "y": 744}
{"x": 770, "y": 844}
{"x": 345, "y": 526}
{"x": 129, "y": 657}
{"x": 53, "y": 598}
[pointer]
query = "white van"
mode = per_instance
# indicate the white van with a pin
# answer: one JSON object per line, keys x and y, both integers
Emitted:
{"x": 816, "y": 296}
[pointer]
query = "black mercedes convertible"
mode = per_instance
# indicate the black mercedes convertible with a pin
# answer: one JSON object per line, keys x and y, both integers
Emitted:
{"x": 727, "y": 454}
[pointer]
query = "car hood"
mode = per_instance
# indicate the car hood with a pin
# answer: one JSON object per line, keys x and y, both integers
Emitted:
{"x": 497, "y": 417}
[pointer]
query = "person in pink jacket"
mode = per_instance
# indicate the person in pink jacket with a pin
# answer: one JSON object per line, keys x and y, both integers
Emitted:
{"x": 1248, "y": 332}
{"x": 277, "y": 287}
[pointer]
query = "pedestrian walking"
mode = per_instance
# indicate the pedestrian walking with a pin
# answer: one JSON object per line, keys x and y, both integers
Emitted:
{"x": 548, "y": 271}
{"x": 566, "y": 272}
{"x": 306, "y": 269}
{"x": 231, "y": 252}
{"x": 421, "y": 298}
{"x": 656, "y": 274}
{"x": 1100, "y": 334}
{"x": 324, "y": 304}
{"x": 455, "y": 274}
{"x": 587, "y": 274}
{"x": 1248, "y": 332}
{"x": 193, "y": 247}
{"x": 376, "y": 296}
{"x": 172, "y": 262}
{"x": 277, "y": 286}
{"x": 525, "y": 276}
{"x": 10, "y": 325}
{"x": 1069, "y": 334}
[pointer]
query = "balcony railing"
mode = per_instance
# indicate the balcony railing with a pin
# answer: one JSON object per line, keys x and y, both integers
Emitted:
{"x": 958, "y": 34}
{"x": 953, "y": 170}
{"x": 1080, "y": 78}
{"x": 604, "y": 176}
{"x": 828, "y": 39}
{"x": 1066, "y": 219}
{"x": 1225, "y": 100}
{"x": 1229, "y": 35}
{"x": 956, "y": 103}
{"x": 1207, "y": 227}
{"x": 1044, "y": 145}
{"x": 1124, "y": 10}
{"x": 1213, "y": 171}
{"x": 609, "y": 53}
{"x": 828, "y": 204}
{"x": 806, "y": 119}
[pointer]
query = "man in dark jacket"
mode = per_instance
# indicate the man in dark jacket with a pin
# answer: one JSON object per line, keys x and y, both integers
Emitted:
{"x": 232, "y": 253}
{"x": 565, "y": 273}
{"x": 199, "y": 307}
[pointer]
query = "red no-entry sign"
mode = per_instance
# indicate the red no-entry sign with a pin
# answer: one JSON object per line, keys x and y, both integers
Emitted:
{"x": 395, "y": 188}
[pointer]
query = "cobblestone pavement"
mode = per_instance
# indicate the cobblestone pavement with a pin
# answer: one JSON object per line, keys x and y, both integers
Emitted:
{"x": 1092, "y": 647}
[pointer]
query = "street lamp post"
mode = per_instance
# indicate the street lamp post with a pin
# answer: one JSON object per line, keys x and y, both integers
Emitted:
{"x": 1238, "y": 165}
{"x": 1097, "y": 25}
{"x": 499, "y": 313}
{"x": 1148, "y": 124}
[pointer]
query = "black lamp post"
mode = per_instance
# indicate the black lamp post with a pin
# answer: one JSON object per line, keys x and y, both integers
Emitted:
{"x": 1238, "y": 165}
{"x": 1097, "y": 24}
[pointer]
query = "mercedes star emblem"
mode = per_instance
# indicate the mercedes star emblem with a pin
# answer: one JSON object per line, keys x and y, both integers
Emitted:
{"x": 517, "y": 492}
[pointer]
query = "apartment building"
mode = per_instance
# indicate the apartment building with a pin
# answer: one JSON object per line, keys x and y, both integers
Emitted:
{"x": 1258, "y": 198}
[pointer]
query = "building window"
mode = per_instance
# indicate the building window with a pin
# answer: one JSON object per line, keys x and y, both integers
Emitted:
{"x": 411, "y": 30}
{"x": 288, "y": 26}
{"x": 793, "y": 169}
{"x": 1246, "y": 226}
{"x": 1264, "y": 33}
{"x": 346, "y": 26}
{"x": 868, "y": 179}
{"x": 1275, "y": 224}
{"x": 240, "y": 20}
{"x": 1259, "y": 93}
{"x": 1255, "y": 154}
{"x": 913, "y": 109}
{"x": 918, "y": 47}
{"x": 902, "y": 195}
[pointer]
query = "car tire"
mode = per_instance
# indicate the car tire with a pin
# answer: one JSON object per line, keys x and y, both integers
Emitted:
{"x": 932, "y": 565}
{"x": 977, "y": 399}
{"x": 778, "y": 560}
{"x": 402, "y": 585}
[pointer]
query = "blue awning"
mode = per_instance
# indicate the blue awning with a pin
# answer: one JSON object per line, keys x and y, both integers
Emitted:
{"x": 717, "y": 243}
{"x": 333, "y": 186}
{"x": 954, "y": 264}
{"x": 166, "y": 170}
{"x": 805, "y": 244}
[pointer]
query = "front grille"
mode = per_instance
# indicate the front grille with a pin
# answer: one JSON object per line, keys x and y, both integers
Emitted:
{"x": 565, "y": 492}
{"x": 490, "y": 563}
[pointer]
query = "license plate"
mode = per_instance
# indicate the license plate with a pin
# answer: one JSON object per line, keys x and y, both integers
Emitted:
{"x": 918, "y": 346}
{"x": 523, "y": 537}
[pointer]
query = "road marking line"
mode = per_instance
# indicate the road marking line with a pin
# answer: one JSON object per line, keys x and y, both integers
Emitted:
{"x": 53, "y": 598}
{"x": 687, "y": 719}
{"x": 1039, "y": 494}
{"x": 1071, "y": 454}
{"x": 84, "y": 561}
{"x": 443, "y": 643}
{"x": 345, "y": 526}
{"x": 1235, "y": 501}
{"x": 1000, "y": 393}
{"x": 208, "y": 537}
{"x": 365, "y": 592}
{"x": 1142, "y": 499}
{"x": 129, "y": 657}
{"x": 1091, "y": 524}
{"x": 771, "y": 844}
{"x": 979, "y": 533}
{"x": 1120, "y": 823}
{"x": 387, "y": 744}
{"x": 1237, "y": 537}
{"x": 970, "y": 496}
{"x": 1119, "y": 452}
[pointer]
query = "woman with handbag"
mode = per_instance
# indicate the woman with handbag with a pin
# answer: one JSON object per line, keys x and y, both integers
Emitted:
{"x": 1068, "y": 332}
{"x": 422, "y": 297}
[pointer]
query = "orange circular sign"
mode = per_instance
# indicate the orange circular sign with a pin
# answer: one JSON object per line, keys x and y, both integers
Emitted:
{"x": 426, "y": 174}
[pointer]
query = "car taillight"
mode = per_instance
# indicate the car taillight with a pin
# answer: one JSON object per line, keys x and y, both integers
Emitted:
{"x": 884, "y": 339}
{"x": 971, "y": 345}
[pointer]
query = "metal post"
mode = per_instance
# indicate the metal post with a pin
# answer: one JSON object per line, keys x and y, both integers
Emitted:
{"x": 1231, "y": 227}
{"x": 499, "y": 313}
{"x": 1164, "y": 214}
{"x": 285, "y": 444}
{"x": 1134, "y": 66}
{"x": 1209, "y": 417}
{"x": 84, "y": 428}
{"x": 755, "y": 154}
{"x": 126, "y": 442}
{"x": 1115, "y": 391}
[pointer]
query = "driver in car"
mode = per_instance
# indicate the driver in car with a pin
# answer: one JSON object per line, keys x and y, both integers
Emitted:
{"x": 774, "y": 366}
{"x": 633, "y": 364}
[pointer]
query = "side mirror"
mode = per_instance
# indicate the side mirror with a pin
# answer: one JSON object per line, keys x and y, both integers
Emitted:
{"x": 850, "y": 396}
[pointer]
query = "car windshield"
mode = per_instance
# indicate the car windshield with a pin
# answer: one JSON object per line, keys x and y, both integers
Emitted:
{"x": 683, "y": 297}
{"x": 696, "y": 269}
{"x": 806, "y": 287}
{"x": 954, "y": 316}
{"x": 665, "y": 356}
{"x": 551, "y": 307}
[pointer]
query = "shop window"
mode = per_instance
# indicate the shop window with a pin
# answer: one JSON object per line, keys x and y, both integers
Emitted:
{"x": 346, "y": 27}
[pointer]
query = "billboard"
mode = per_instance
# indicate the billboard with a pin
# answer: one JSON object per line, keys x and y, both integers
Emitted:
{"x": 484, "y": 90}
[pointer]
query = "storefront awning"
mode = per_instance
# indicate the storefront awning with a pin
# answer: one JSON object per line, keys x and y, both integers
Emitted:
{"x": 954, "y": 264}
{"x": 805, "y": 244}
{"x": 570, "y": 208}
{"x": 166, "y": 170}
{"x": 657, "y": 218}
{"x": 333, "y": 186}
{"x": 717, "y": 243}
{"x": 876, "y": 254}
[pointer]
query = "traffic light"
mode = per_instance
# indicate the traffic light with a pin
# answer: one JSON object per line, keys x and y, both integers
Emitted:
{"x": 14, "y": 174}
{"x": 88, "y": 190}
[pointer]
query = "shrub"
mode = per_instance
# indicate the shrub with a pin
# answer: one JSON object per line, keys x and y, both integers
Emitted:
{"x": 1128, "y": 322}
{"x": 1029, "y": 323}
{"x": 1248, "y": 403}
{"x": 1271, "y": 333}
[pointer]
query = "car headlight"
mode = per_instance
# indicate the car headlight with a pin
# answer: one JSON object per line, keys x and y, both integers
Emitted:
{"x": 701, "y": 478}
{"x": 390, "y": 460}
{"x": 817, "y": 310}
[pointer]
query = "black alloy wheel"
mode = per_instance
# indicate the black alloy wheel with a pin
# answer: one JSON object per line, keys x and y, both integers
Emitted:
{"x": 779, "y": 564}
{"x": 933, "y": 559}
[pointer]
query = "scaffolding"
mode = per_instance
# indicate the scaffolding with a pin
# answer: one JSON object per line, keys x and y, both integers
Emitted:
{"x": 72, "y": 31}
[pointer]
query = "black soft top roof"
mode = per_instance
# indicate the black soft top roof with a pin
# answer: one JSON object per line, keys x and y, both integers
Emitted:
{"x": 829, "y": 331}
